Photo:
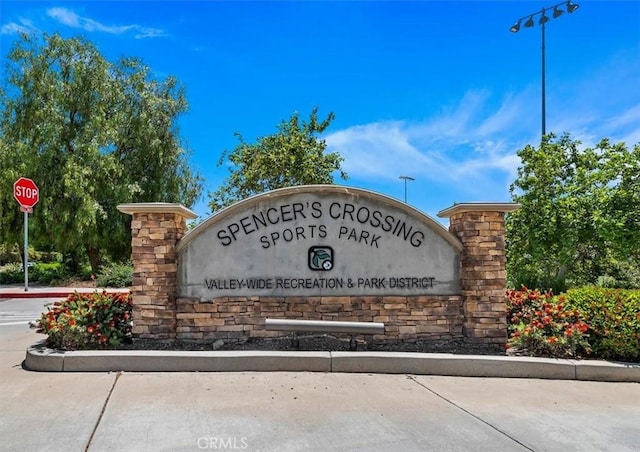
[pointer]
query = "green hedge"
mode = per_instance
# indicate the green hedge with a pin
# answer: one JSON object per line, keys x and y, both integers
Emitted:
{"x": 42, "y": 273}
{"x": 111, "y": 275}
{"x": 115, "y": 275}
{"x": 48, "y": 273}
{"x": 12, "y": 274}
{"x": 614, "y": 319}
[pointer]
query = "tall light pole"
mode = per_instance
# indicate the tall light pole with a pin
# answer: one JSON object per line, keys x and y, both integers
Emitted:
{"x": 406, "y": 178}
{"x": 557, "y": 12}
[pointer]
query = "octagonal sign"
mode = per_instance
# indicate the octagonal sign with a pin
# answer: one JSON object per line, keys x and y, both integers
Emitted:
{"x": 26, "y": 192}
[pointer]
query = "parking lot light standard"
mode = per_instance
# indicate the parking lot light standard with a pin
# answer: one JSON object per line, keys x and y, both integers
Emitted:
{"x": 557, "y": 12}
{"x": 406, "y": 178}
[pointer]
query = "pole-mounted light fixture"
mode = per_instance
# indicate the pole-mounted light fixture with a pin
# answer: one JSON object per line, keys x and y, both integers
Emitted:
{"x": 571, "y": 7}
{"x": 557, "y": 12}
{"x": 529, "y": 23}
{"x": 543, "y": 19}
{"x": 406, "y": 178}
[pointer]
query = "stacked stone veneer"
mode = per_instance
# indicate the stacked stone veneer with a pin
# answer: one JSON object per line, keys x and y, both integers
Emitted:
{"x": 406, "y": 318}
{"x": 156, "y": 228}
{"x": 480, "y": 228}
{"x": 479, "y": 312}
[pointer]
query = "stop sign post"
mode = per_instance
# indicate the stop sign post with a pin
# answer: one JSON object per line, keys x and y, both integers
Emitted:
{"x": 27, "y": 194}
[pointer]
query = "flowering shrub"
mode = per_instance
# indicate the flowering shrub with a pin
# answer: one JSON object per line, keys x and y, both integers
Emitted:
{"x": 88, "y": 321}
{"x": 541, "y": 324}
{"x": 614, "y": 317}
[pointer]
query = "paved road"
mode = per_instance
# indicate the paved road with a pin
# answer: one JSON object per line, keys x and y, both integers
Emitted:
{"x": 283, "y": 411}
{"x": 15, "y": 313}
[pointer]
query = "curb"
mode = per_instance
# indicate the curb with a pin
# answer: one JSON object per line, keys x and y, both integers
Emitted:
{"x": 59, "y": 293}
{"x": 39, "y": 358}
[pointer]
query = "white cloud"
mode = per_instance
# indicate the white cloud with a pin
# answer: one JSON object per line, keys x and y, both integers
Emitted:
{"x": 454, "y": 146}
{"x": 473, "y": 143}
{"x": 64, "y": 16}
{"x": 24, "y": 26}
{"x": 71, "y": 19}
{"x": 150, "y": 33}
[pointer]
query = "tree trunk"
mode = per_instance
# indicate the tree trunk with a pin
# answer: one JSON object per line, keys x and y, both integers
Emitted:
{"x": 94, "y": 259}
{"x": 73, "y": 261}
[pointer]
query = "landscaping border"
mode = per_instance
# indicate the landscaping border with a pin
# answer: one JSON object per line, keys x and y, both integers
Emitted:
{"x": 40, "y": 358}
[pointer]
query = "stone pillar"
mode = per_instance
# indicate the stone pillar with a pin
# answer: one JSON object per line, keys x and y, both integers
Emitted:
{"x": 156, "y": 228}
{"x": 480, "y": 228}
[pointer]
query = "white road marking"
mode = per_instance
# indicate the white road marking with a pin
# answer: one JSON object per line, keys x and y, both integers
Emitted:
{"x": 18, "y": 318}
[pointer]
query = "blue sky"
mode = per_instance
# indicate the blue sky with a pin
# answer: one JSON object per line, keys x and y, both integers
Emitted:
{"x": 440, "y": 91}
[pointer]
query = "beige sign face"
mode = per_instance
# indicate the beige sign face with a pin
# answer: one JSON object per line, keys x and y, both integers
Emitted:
{"x": 318, "y": 241}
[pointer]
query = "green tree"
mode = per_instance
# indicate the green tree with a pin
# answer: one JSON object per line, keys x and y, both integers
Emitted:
{"x": 92, "y": 134}
{"x": 292, "y": 156}
{"x": 580, "y": 215}
{"x": 10, "y": 218}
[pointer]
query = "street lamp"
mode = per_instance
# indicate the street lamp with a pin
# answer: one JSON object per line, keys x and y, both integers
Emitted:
{"x": 406, "y": 178}
{"x": 557, "y": 12}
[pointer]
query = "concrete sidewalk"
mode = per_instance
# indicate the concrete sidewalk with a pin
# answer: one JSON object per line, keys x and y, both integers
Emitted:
{"x": 37, "y": 291}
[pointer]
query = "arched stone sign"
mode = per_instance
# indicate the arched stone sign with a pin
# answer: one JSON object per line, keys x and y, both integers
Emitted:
{"x": 321, "y": 252}
{"x": 319, "y": 241}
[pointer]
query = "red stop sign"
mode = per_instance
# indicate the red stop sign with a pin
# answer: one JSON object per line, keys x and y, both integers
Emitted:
{"x": 26, "y": 192}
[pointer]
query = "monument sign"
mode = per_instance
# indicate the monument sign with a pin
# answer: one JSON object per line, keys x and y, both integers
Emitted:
{"x": 319, "y": 252}
{"x": 323, "y": 240}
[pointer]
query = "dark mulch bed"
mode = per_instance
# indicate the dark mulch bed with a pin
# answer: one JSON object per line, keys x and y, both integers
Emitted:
{"x": 323, "y": 342}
